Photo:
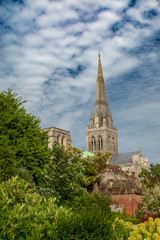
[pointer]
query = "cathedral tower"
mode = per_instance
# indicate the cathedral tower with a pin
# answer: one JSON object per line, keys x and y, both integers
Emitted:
{"x": 100, "y": 134}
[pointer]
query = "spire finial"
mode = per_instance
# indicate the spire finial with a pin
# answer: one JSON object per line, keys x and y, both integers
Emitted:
{"x": 100, "y": 88}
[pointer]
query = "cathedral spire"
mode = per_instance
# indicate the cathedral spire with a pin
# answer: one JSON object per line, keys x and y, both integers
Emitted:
{"x": 101, "y": 135}
{"x": 101, "y": 98}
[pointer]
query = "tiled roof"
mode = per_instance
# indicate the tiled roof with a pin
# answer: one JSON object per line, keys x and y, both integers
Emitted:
{"x": 122, "y": 158}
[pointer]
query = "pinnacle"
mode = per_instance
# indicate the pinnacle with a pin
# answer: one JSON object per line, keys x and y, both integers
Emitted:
{"x": 100, "y": 87}
{"x": 100, "y": 72}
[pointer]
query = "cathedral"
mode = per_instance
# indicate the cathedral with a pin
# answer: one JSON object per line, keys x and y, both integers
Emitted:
{"x": 120, "y": 177}
{"x": 101, "y": 135}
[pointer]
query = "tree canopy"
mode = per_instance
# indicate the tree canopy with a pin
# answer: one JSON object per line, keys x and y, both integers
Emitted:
{"x": 150, "y": 179}
{"x": 64, "y": 176}
{"x": 22, "y": 143}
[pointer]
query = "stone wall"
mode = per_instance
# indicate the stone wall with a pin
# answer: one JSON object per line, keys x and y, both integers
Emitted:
{"x": 60, "y": 135}
{"x": 125, "y": 190}
{"x": 109, "y": 139}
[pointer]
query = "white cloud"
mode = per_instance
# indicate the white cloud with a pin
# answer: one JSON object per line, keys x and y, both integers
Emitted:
{"x": 47, "y": 38}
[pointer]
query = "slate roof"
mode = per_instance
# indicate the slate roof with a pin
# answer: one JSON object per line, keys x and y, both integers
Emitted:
{"x": 122, "y": 158}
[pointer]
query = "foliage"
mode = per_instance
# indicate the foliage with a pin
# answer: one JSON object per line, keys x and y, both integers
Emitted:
{"x": 24, "y": 214}
{"x": 64, "y": 176}
{"x": 22, "y": 144}
{"x": 94, "y": 166}
{"x": 121, "y": 228}
{"x": 150, "y": 206}
{"x": 90, "y": 220}
{"x": 148, "y": 230}
{"x": 89, "y": 201}
{"x": 123, "y": 217}
{"x": 25, "y": 174}
{"x": 150, "y": 177}
{"x": 133, "y": 220}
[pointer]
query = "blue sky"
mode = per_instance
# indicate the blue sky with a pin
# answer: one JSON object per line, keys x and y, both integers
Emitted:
{"x": 49, "y": 56}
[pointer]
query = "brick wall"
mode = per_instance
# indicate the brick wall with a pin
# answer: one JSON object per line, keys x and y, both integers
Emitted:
{"x": 129, "y": 201}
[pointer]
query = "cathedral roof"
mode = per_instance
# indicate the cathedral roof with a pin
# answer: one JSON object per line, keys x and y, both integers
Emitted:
{"x": 122, "y": 158}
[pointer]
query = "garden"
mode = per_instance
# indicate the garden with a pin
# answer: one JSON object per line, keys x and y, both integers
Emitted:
{"x": 45, "y": 193}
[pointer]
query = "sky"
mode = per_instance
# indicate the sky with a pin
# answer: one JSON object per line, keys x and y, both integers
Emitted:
{"x": 49, "y": 56}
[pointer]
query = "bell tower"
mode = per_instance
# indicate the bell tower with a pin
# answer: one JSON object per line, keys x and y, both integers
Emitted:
{"x": 101, "y": 135}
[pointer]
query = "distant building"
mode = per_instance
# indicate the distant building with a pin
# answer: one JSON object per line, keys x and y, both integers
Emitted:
{"x": 131, "y": 162}
{"x": 59, "y": 135}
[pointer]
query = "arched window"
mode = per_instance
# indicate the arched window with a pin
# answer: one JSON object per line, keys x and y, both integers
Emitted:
{"x": 58, "y": 138}
{"x": 62, "y": 140}
{"x": 93, "y": 144}
{"x": 101, "y": 121}
{"x": 100, "y": 143}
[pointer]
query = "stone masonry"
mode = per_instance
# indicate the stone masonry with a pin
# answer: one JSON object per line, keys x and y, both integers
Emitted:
{"x": 101, "y": 135}
{"x": 60, "y": 135}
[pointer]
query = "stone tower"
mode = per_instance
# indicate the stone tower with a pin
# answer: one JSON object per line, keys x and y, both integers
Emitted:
{"x": 100, "y": 134}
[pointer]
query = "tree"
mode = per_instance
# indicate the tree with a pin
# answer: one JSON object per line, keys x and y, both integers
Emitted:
{"x": 22, "y": 143}
{"x": 64, "y": 177}
{"x": 94, "y": 165}
{"x": 150, "y": 179}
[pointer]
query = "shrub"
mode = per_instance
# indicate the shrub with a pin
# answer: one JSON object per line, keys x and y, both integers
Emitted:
{"x": 121, "y": 228}
{"x": 91, "y": 218}
{"x": 24, "y": 214}
{"x": 147, "y": 230}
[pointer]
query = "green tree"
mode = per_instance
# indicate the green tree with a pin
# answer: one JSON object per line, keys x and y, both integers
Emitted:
{"x": 22, "y": 143}
{"x": 94, "y": 166}
{"x": 64, "y": 177}
{"x": 150, "y": 179}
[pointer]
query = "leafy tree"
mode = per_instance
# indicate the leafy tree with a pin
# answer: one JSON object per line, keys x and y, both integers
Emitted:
{"x": 150, "y": 179}
{"x": 22, "y": 144}
{"x": 94, "y": 166}
{"x": 64, "y": 176}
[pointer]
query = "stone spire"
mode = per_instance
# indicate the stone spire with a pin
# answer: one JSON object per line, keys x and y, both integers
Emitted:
{"x": 101, "y": 135}
{"x": 101, "y": 99}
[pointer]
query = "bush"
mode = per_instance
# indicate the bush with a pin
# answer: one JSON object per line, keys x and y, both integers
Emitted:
{"x": 147, "y": 230}
{"x": 23, "y": 213}
{"x": 91, "y": 218}
{"x": 121, "y": 228}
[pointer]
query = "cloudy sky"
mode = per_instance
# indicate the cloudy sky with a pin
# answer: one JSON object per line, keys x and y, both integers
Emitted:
{"x": 49, "y": 56}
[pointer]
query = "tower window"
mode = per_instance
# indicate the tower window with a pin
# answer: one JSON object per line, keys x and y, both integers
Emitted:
{"x": 101, "y": 121}
{"x": 93, "y": 142}
{"x": 100, "y": 143}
